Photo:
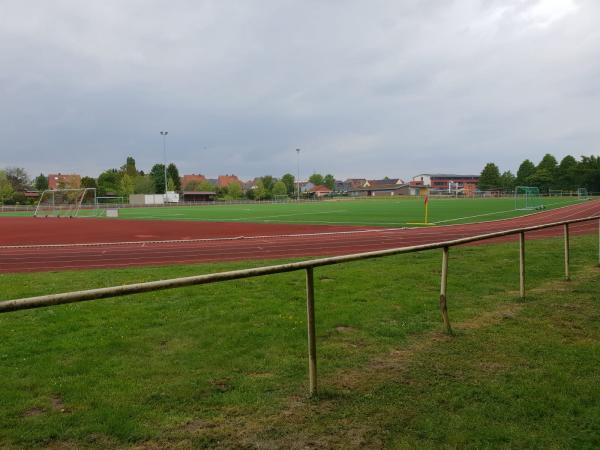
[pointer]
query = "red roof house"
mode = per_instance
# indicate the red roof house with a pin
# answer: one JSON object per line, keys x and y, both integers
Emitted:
{"x": 226, "y": 180}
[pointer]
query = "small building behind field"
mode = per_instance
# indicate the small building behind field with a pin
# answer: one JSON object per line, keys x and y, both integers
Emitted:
{"x": 379, "y": 188}
{"x": 319, "y": 191}
{"x": 446, "y": 182}
{"x": 198, "y": 196}
{"x": 146, "y": 199}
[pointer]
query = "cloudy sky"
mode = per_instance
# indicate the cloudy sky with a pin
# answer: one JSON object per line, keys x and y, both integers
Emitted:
{"x": 364, "y": 88}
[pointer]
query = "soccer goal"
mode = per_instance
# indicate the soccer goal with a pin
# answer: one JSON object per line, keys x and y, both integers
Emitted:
{"x": 281, "y": 198}
{"x": 528, "y": 198}
{"x": 68, "y": 203}
{"x": 582, "y": 194}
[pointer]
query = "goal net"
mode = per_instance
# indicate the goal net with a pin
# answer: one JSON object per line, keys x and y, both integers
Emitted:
{"x": 582, "y": 194}
{"x": 528, "y": 198}
{"x": 68, "y": 203}
{"x": 281, "y": 198}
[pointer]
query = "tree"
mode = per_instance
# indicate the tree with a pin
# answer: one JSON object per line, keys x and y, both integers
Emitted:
{"x": 589, "y": 173}
{"x": 173, "y": 173}
{"x": 206, "y": 186}
{"x": 6, "y": 189}
{"x": 507, "y": 181}
{"x": 260, "y": 193}
{"x": 490, "y": 177}
{"x": 88, "y": 182}
{"x": 280, "y": 188}
{"x": 329, "y": 181}
{"x": 126, "y": 186}
{"x": 290, "y": 183}
{"x": 544, "y": 176}
{"x": 268, "y": 183}
{"x": 18, "y": 178}
{"x": 158, "y": 178}
{"x": 41, "y": 182}
{"x": 526, "y": 170}
{"x": 143, "y": 184}
{"x": 129, "y": 167}
{"x": 234, "y": 190}
{"x": 109, "y": 182}
{"x": 549, "y": 163}
{"x": 566, "y": 174}
{"x": 316, "y": 179}
{"x": 170, "y": 184}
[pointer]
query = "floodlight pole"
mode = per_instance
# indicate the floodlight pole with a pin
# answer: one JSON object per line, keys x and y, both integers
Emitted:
{"x": 164, "y": 135}
{"x": 298, "y": 172}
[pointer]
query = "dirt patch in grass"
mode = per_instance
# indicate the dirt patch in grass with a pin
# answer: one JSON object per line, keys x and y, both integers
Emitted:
{"x": 32, "y": 412}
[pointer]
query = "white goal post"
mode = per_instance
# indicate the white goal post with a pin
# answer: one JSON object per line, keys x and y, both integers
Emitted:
{"x": 67, "y": 203}
{"x": 582, "y": 194}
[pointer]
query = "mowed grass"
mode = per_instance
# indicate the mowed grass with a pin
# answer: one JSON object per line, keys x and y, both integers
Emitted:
{"x": 389, "y": 212}
{"x": 224, "y": 365}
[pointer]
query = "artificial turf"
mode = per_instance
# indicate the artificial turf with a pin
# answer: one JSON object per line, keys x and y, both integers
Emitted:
{"x": 389, "y": 212}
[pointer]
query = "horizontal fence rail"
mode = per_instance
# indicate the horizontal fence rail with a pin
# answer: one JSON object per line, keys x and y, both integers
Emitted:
{"x": 308, "y": 265}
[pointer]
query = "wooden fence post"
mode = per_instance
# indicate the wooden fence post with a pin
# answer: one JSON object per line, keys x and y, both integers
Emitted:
{"x": 567, "y": 275}
{"x": 443, "y": 286}
{"x": 522, "y": 264}
{"x": 312, "y": 346}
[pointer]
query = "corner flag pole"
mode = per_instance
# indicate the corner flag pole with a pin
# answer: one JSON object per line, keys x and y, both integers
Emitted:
{"x": 427, "y": 208}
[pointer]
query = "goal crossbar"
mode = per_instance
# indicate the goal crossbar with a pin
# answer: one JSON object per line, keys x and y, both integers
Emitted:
{"x": 67, "y": 202}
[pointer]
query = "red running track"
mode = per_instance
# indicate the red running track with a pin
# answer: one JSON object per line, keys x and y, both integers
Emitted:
{"x": 42, "y": 244}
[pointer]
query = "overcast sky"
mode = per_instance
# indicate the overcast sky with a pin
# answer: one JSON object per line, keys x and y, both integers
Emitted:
{"x": 364, "y": 88}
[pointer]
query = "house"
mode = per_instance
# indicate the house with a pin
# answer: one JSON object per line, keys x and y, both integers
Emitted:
{"x": 319, "y": 191}
{"x": 451, "y": 183}
{"x": 305, "y": 186}
{"x": 226, "y": 180}
{"x": 32, "y": 195}
{"x": 198, "y": 196}
{"x": 352, "y": 184}
{"x": 64, "y": 181}
{"x": 249, "y": 185}
{"x": 186, "y": 180}
{"x": 378, "y": 188}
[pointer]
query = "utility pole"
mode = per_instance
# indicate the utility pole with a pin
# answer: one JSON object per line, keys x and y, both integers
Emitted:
{"x": 164, "y": 135}
{"x": 298, "y": 172}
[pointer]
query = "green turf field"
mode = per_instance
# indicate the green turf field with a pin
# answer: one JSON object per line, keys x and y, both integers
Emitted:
{"x": 384, "y": 212}
{"x": 224, "y": 365}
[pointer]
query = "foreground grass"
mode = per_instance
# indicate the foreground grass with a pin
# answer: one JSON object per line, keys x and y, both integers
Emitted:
{"x": 225, "y": 365}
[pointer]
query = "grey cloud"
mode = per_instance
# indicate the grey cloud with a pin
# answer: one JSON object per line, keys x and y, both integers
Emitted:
{"x": 364, "y": 88}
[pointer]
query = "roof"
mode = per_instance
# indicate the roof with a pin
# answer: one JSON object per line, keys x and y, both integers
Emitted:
{"x": 446, "y": 175}
{"x": 319, "y": 188}
{"x": 193, "y": 177}
{"x": 381, "y": 187}
{"x": 226, "y": 180}
{"x": 388, "y": 181}
{"x": 199, "y": 193}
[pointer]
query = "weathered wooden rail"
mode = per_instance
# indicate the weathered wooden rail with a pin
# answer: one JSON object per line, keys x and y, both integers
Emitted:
{"x": 309, "y": 266}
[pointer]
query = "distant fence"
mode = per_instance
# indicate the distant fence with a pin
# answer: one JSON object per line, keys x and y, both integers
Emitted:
{"x": 309, "y": 266}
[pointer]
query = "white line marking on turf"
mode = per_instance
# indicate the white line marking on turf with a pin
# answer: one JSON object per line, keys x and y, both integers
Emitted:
{"x": 177, "y": 241}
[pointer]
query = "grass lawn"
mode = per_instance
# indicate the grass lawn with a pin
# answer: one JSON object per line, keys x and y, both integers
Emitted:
{"x": 389, "y": 212}
{"x": 224, "y": 365}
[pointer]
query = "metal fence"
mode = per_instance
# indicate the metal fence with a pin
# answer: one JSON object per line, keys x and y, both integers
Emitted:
{"x": 309, "y": 266}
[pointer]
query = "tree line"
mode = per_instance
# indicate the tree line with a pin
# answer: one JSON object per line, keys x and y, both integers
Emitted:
{"x": 127, "y": 180}
{"x": 548, "y": 175}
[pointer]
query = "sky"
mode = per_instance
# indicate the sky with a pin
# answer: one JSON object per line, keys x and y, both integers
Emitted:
{"x": 364, "y": 88}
